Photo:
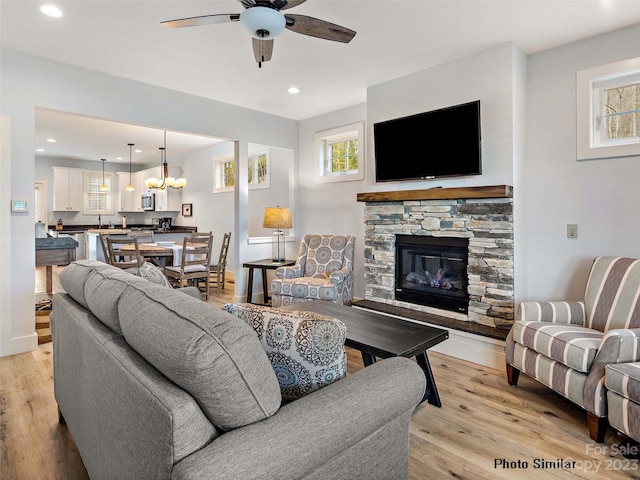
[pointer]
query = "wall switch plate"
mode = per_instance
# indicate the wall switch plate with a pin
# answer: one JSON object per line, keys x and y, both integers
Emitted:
{"x": 572, "y": 230}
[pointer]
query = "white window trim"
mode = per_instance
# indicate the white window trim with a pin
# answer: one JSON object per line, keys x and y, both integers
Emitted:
{"x": 267, "y": 184}
{"x": 334, "y": 134}
{"x": 217, "y": 172}
{"x": 85, "y": 200}
{"x": 588, "y": 147}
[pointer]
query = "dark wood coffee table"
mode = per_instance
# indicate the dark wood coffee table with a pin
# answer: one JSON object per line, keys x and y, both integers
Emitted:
{"x": 376, "y": 335}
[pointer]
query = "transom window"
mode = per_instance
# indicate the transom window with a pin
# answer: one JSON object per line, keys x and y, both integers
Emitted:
{"x": 258, "y": 169}
{"x": 98, "y": 201}
{"x": 340, "y": 153}
{"x": 616, "y": 103}
{"x": 224, "y": 171}
{"x": 608, "y": 110}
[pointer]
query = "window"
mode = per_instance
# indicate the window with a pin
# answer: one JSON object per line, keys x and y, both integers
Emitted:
{"x": 340, "y": 153}
{"x": 608, "y": 109}
{"x": 259, "y": 170}
{"x": 224, "y": 171}
{"x": 97, "y": 201}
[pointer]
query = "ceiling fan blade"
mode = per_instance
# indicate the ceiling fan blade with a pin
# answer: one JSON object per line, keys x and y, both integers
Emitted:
{"x": 315, "y": 27}
{"x": 203, "y": 20}
{"x": 262, "y": 49}
{"x": 292, "y": 3}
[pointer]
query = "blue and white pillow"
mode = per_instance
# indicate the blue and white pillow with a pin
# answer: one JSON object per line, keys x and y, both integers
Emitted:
{"x": 306, "y": 349}
{"x": 150, "y": 272}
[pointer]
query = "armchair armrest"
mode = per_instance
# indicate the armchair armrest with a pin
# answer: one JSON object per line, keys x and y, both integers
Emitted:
{"x": 340, "y": 276}
{"x": 566, "y": 313}
{"x": 316, "y": 430}
{"x": 294, "y": 271}
{"x": 617, "y": 346}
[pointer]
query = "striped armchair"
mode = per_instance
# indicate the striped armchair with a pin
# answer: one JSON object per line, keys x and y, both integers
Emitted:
{"x": 567, "y": 345}
{"x": 323, "y": 271}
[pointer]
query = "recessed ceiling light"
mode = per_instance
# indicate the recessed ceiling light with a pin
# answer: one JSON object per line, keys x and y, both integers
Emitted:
{"x": 118, "y": 158}
{"x": 51, "y": 11}
{"x": 51, "y": 140}
{"x": 39, "y": 149}
{"x": 293, "y": 90}
{"x": 137, "y": 150}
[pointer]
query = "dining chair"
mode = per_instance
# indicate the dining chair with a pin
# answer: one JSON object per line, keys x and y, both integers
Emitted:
{"x": 217, "y": 271}
{"x": 105, "y": 249}
{"x": 129, "y": 258}
{"x": 201, "y": 235}
{"x": 194, "y": 263}
{"x": 143, "y": 236}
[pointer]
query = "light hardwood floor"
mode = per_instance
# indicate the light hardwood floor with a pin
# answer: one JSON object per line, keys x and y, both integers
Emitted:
{"x": 483, "y": 421}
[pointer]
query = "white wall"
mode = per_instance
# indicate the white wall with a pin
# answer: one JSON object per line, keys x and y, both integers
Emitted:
{"x": 601, "y": 196}
{"x": 28, "y": 82}
{"x": 329, "y": 208}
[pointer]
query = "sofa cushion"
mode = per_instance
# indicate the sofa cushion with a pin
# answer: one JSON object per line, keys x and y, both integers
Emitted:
{"x": 624, "y": 379}
{"x": 308, "y": 288}
{"x": 306, "y": 349}
{"x": 571, "y": 345}
{"x": 98, "y": 287}
{"x": 74, "y": 276}
{"x": 150, "y": 272}
{"x": 209, "y": 353}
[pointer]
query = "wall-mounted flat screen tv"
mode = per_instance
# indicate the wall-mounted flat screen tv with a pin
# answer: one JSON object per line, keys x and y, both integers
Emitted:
{"x": 440, "y": 143}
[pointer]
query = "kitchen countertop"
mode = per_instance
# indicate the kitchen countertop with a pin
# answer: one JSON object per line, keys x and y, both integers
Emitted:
{"x": 72, "y": 229}
{"x": 113, "y": 231}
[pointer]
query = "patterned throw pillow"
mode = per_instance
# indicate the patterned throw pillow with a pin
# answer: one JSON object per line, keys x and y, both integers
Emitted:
{"x": 150, "y": 272}
{"x": 306, "y": 349}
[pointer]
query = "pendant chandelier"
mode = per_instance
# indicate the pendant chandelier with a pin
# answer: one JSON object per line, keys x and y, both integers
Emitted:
{"x": 130, "y": 187}
{"x": 166, "y": 180}
{"x": 103, "y": 187}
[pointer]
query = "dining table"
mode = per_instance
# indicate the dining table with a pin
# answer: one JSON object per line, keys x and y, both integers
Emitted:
{"x": 160, "y": 255}
{"x": 152, "y": 251}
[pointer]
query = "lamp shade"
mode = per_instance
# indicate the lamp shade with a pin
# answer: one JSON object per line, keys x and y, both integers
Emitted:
{"x": 262, "y": 22}
{"x": 277, "y": 217}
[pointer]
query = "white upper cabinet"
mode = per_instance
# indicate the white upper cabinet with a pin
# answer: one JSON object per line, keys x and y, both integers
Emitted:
{"x": 67, "y": 189}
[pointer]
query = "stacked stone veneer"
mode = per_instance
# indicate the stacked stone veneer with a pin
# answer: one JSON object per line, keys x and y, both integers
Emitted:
{"x": 487, "y": 223}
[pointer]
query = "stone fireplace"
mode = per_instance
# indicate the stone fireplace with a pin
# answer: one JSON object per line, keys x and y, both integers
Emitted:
{"x": 478, "y": 219}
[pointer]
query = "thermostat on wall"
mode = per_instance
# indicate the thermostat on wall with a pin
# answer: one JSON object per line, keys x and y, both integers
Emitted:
{"x": 19, "y": 206}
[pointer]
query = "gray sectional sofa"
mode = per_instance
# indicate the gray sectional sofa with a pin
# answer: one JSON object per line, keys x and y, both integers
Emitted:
{"x": 154, "y": 383}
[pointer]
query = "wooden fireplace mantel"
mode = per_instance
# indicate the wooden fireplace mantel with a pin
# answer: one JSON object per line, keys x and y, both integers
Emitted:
{"x": 437, "y": 193}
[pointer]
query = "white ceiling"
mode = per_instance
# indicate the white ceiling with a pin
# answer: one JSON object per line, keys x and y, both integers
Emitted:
{"x": 394, "y": 38}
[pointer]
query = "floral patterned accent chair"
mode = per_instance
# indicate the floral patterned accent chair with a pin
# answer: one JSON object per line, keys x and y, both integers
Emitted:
{"x": 568, "y": 345}
{"x": 323, "y": 271}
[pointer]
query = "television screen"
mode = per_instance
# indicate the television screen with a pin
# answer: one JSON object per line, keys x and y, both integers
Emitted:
{"x": 439, "y": 143}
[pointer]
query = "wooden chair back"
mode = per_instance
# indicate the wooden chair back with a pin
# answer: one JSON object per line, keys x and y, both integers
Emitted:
{"x": 218, "y": 270}
{"x": 129, "y": 258}
{"x": 143, "y": 236}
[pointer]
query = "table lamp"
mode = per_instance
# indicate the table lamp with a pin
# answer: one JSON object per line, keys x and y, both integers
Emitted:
{"x": 277, "y": 218}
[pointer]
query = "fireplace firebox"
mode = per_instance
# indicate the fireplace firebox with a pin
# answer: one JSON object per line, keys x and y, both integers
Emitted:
{"x": 432, "y": 271}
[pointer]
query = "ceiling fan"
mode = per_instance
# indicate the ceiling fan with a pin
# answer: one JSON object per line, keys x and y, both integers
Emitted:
{"x": 263, "y": 20}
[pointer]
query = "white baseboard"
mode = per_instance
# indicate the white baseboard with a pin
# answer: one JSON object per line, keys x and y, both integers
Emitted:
{"x": 479, "y": 349}
{"x": 27, "y": 343}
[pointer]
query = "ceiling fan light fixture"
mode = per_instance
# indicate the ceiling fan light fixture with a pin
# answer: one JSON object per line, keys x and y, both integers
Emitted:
{"x": 262, "y": 22}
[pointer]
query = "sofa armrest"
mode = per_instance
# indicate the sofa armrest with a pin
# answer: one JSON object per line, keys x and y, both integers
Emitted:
{"x": 567, "y": 313}
{"x": 319, "y": 428}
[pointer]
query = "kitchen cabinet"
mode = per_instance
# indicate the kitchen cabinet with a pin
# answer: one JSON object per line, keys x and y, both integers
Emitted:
{"x": 67, "y": 189}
